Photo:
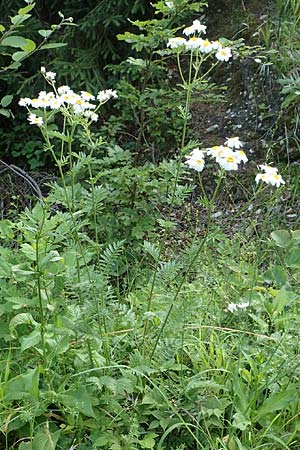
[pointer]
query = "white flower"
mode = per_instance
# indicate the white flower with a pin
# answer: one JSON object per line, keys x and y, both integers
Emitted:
{"x": 176, "y": 42}
{"x": 25, "y": 101}
{"x": 64, "y": 90}
{"x": 196, "y": 160}
{"x": 34, "y": 120}
{"x": 234, "y": 142}
{"x": 274, "y": 179}
{"x": 235, "y": 306}
{"x": 216, "y": 45}
{"x": 87, "y": 96}
{"x": 268, "y": 169}
{"x": 229, "y": 162}
{"x": 43, "y": 70}
{"x": 91, "y": 115}
{"x": 241, "y": 156}
{"x": 197, "y": 27}
{"x": 103, "y": 96}
{"x": 206, "y": 46}
{"x": 193, "y": 43}
{"x": 223, "y": 54}
{"x": 219, "y": 151}
{"x": 50, "y": 76}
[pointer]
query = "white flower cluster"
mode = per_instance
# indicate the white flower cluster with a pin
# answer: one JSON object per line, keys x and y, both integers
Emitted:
{"x": 228, "y": 156}
{"x": 232, "y": 307}
{"x": 270, "y": 175}
{"x": 197, "y": 43}
{"x": 65, "y": 97}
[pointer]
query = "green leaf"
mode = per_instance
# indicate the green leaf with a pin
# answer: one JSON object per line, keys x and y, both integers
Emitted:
{"x": 282, "y": 238}
{"x": 30, "y": 341}
{"x": 14, "y": 41}
{"x": 26, "y": 9}
{"x": 292, "y": 258}
{"x": 17, "y": 56}
{"x": 45, "y": 33}
{"x": 277, "y": 401}
{"x": 53, "y": 45}
{"x": 45, "y": 441}
{"x": 6, "y": 100}
{"x": 2, "y": 28}
{"x": 29, "y": 47}
{"x": 79, "y": 399}
{"x": 60, "y": 136}
{"x": 149, "y": 440}
{"x": 4, "y": 112}
{"x": 28, "y": 251}
{"x": 19, "y": 18}
{"x": 240, "y": 422}
{"x": 21, "y": 319}
{"x": 23, "y": 386}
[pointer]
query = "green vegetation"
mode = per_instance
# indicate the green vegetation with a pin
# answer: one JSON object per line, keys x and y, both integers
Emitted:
{"x": 149, "y": 293}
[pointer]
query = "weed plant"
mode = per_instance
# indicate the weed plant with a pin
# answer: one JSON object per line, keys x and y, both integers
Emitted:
{"x": 116, "y": 336}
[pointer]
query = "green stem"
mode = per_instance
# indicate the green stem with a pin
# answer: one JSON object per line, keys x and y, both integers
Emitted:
{"x": 191, "y": 264}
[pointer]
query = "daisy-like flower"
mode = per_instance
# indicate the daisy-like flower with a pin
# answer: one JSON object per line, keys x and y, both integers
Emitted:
{"x": 206, "y": 46}
{"x": 64, "y": 90}
{"x": 176, "y": 42}
{"x": 241, "y": 156}
{"x": 87, "y": 96}
{"x": 50, "y": 76}
{"x": 103, "y": 96}
{"x": 268, "y": 169}
{"x": 229, "y": 162}
{"x": 197, "y": 27}
{"x": 193, "y": 43}
{"x": 274, "y": 179}
{"x": 224, "y": 54}
{"x": 34, "y": 120}
{"x": 219, "y": 151}
{"x": 25, "y": 101}
{"x": 196, "y": 160}
{"x": 216, "y": 45}
{"x": 234, "y": 142}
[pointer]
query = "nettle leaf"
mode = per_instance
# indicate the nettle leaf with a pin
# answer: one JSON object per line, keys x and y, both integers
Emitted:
{"x": 14, "y": 41}
{"x": 23, "y": 386}
{"x": 45, "y": 440}
{"x": 79, "y": 399}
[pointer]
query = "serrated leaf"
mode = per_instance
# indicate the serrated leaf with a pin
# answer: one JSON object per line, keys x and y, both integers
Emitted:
{"x": 53, "y": 45}
{"x": 79, "y": 399}
{"x": 60, "y": 136}
{"x": 14, "y": 41}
